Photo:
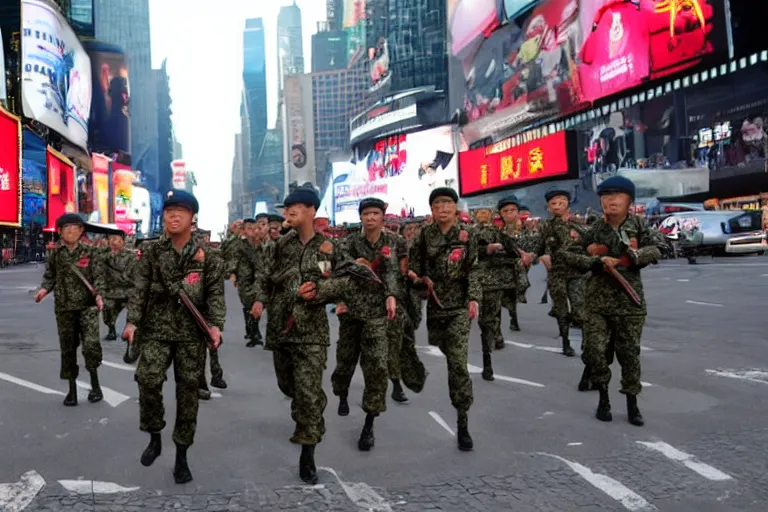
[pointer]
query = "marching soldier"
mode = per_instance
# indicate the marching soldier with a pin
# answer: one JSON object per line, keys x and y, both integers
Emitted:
{"x": 620, "y": 242}
{"x": 255, "y": 256}
{"x": 203, "y": 239}
{"x": 275, "y": 222}
{"x": 169, "y": 270}
{"x": 509, "y": 207}
{"x": 230, "y": 244}
{"x": 71, "y": 274}
{"x": 116, "y": 267}
{"x": 443, "y": 261}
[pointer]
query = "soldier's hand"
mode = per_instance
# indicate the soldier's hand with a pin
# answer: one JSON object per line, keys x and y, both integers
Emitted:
{"x": 597, "y": 250}
{"x": 610, "y": 262}
{"x": 413, "y": 276}
{"x": 474, "y": 309}
{"x": 99, "y": 303}
{"x": 364, "y": 261}
{"x": 391, "y": 308}
{"x": 215, "y": 338}
{"x": 546, "y": 260}
{"x": 341, "y": 309}
{"x": 40, "y": 295}
{"x": 494, "y": 248}
{"x": 128, "y": 333}
{"x": 257, "y": 309}
{"x": 308, "y": 291}
{"x": 527, "y": 258}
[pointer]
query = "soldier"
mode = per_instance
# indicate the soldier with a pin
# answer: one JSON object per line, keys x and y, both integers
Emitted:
{"x": 297, "y": 288}
{"x": 413, "y": 372}
{"x": 229, "y": 246}
{"x": 173, "y": 265}
{"x": 275, "y": 226}
{"x": 443, "y": 260}
{"x": 364, "y": 331}
{"x": 116, "y": 267}
{"x": 620, "y": 241}
{"x": 255, "y": 258}
{"x": 564, "y": 283}
{"x": 202, "y": 238}
{"x": 76, "y": 306}
{"x": 508, "y": 210}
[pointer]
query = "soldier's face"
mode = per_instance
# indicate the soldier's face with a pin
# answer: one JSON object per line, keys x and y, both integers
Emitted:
{"x": 298, "y": 215}
{"x": 261, "y": 228}
{"x": 177, "y": 220}
{"x": 483, "y": 216}
{"x": 274, "y": 230}
{"x": 509, "y": 214}
{"x": 558, "y": 206}
{"x": 410, "y": 230}
{"x": 615, "y": 203}
{"x": 237, "y": 228}
{"x": 116, "y": 242}
{"x": 71, "y": 233}
{"x": 249, "y": 230}
{"x": 372, "y": 218}
{"x": 444, "y": 210}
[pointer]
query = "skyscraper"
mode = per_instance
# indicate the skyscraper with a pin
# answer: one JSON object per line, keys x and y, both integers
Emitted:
{"x": 290, "y": 49}
{"x": 164, "y": 129}
{"x": 126, "y": 24}
{"x": 329, "y": 49}
{"x": 255, "y": 85}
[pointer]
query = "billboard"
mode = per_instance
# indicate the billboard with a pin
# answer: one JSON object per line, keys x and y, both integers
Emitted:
{"x": 10, "y": 169}
{"x": 122, "y": 182}
{"x": 354, "y": 25}
{"x": 297, "y": 148}
{"x": 3, "y": 93}
{"x": 110, "y": 121}
{"x": 62, "y": 193}
{"x": 179, "y": 174}
{"x": 33, "y": 179}
{"x": 56, "y": 72}
{"x": 101, "y": 188}
{"x": 141, "y": 209}
{"x": 504, "y": 165}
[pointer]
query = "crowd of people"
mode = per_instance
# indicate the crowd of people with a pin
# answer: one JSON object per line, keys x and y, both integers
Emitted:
{"x": 376, "y": 278}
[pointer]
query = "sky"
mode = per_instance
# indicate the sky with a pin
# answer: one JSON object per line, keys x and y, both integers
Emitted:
{"x": 203, "y": 42}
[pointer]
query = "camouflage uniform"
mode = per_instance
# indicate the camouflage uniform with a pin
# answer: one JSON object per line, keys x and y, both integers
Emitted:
{"x": 169, "y": 332}
{"x": 450, "y": 261}
{"x": 253, "y": 260}
{"x": 117, "y": 270}
{"x": 229, "y": 251}
{"x": 364, "y": 332}
{"x": 77, "y": 318}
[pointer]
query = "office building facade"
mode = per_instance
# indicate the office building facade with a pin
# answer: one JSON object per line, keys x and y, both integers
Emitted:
{"x": 329, "y": 49}
{"x": 255, "y": 93}
{"x": 290, "y": 49}
{"x": 165, "y": 137}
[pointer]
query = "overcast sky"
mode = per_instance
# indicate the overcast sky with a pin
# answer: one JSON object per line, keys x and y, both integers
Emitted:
{"x": 203, "y": 42}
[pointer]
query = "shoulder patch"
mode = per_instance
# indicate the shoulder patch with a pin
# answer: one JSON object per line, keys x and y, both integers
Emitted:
{"x": 326, "y": 247}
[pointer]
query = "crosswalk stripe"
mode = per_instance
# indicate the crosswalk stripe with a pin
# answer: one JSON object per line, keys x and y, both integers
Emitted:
{"x": 119, "y": 366}
{"x": 687, "y": 460}
{"x": 555, "y": 350}
{"x": 628, "y": 498}
{"x": 111, "y": 396}
{"x": 30, "y": 385}
{"x": 476, "y": 369}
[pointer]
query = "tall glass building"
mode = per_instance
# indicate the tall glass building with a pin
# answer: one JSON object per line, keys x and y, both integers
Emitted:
{"x": 290, "y": 49}
{"x": 255, "y": 91}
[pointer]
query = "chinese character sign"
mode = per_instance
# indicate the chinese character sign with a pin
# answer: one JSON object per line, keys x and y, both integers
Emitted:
{"x": 10, "y": 170}
{"x": 503, "y": 165}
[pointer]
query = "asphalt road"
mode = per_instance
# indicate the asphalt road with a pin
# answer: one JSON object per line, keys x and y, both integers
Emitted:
{"x": 537, "y": 443}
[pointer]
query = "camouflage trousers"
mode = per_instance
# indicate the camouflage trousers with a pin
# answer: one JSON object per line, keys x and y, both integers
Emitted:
{"x": 490, "y": 317}
{"x": 450, "y": 332}
{"x": 509, "y": 300}
{"x": 112, "y": 308}
{"x": 216, "y": 370}
{"x": 412, "y": 370}
{"x": 75, "y": 327}
{"x": 367, "y": 341}
{"x": 156, "y": 358}
{"x": 565, "y": 290}
{"x": 252, "y": 328}
{"x": 299, "y": 369}
{"x": 604, "y": 335}
{"x": 395, "y": 343}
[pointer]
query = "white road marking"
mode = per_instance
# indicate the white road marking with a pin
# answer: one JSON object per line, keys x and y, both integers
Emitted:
{"x": 440, "y": 421}
{"x": 575, "y": 444}
{"x": 555, "y": 350}
{"x": 30, "y": 385}
{"x": 687, "y": 460}
{"x": 683, "y": 280}
{"x": 94, "y": 487}
{"x": 764, "y": 275}
{"x": 215, "y": 395}
{"x": 111, "y": 396}
{"x": 119, "y": 366}
{"x": 17, "y": 496}
{"x": 430, "y": 350}
{"x": 629, "y": 499}
{"x": 698, "y": 303}
{"x": 758, "y": 376}
{"x": 476, "y": 369}
{"x": 361, "y": 494}
{"x": 646, "y": 384}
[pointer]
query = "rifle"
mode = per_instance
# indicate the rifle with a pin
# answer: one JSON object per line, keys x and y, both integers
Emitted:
{"x": 199, "y": 318}
{"x": 430, "y": 287}
{"x": 84, "y": 280}
{"x": 625, "y": 286}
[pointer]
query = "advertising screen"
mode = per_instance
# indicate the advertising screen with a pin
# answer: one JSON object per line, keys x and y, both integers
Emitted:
{"x": 502, "y": 165}
{"x": 61, "y": 187}
{"x": 33, "y": 179}
{"x": 122, "y": 181}
{"x": 101, "y": 188}
{"x": 354, "y": 25}
{"x": 110, "y": 123}
{"x": 10, "y": 170}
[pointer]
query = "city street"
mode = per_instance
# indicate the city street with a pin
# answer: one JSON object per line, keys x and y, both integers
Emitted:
{"x": 538, "y": 446}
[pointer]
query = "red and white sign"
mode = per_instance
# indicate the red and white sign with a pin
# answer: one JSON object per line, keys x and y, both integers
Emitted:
{"x": 179, "y": 174}
{"x": 502, "y": 165}
{"x": 10, "y": 170}
{"x": 61, "y": 187}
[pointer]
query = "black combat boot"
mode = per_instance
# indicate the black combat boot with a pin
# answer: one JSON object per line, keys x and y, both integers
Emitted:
{"x": 257, "y": 337}
{"x": 499, "y": 344}
{"x": 153, "y": 449}
{"x": 544, "y": 298}
{"x": 563, "y": 325}
{"x": 603, "y": 412}
{"x": 366, "y": 441}
{"x": 218, "y": 382}
{"x": 95, "y": 395}
{"x": 307, "y": 469}
{"x": 343, "y": 405}
{"x": 585, "y": 384}
{"x": 513, "y": 325}
{"x": 398, "y": 395}
{"x": 633, "y": 413}
{"x": 464, "y": 439}
{"x": 181, "y": 472}
{"x": 112, "y": 334}
{"x": 251, "y": 343}
{"x": 71, "y": 399}
{"x": 487, "y": 368}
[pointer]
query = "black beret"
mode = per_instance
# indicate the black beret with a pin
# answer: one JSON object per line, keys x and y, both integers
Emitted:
{"x": 303, "y": 196}
{"x": 617, "y": 184}
{"x": 262, "y": 216}
{"x": 554, "y": 192}
{"x": 69, "y": 218}
{"x": 273, "y": 217}
{"x": 506, "y": 201}
{"x": 372, "y": 202}
{"x": 523, "y": 208}
{"x": 181, "y": 198}
{"x": 249, "y": 221}
{"x": 443, "y": 192}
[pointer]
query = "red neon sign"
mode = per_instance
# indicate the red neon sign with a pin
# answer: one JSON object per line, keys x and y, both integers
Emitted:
{"x": 501, "y": 165}
{"x": 10, "y": 170}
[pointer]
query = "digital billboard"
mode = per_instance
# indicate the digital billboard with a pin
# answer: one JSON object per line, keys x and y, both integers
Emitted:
{"x": 354, "y": 25}
{"x": 10, "y": 169}
{"x": 504, "y": 165}
{"x": 62, "y": 197}
{"x": 110, "y": 123}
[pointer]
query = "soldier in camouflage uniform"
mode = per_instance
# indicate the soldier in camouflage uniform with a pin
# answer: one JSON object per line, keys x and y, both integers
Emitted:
{"x": 230, "y": 244}
{"x": 508, "y": 210}
{"x": 443, "y": 260}
{"x": 116, "y": 267}
{"x": 76, "y": 307}
{"x": 565, "y": 283}
{"x": 255, "y": 257}
{"x": 275, "y": 226}
{"x": 613, "y": 322}
{"x": 170, "y": 335}
{"x": 296, "y": 288}
{"x": 364, "y": 331}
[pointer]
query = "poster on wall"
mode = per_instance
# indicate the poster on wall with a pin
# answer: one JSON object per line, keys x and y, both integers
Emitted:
{"x": 34, "y": 180}
{"x": 298, "y": 154}
{"x": 56, "y": 72}
{"x": 122, "y": 182}
{"x": 62, "y": 192}
{"x": 110, "y": 121}
{"x": 10, "y": 169}
{"x": 101, "y": 188}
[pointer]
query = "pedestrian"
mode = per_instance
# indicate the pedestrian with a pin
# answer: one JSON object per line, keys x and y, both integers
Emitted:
{"x": 443, "y": 261}
{"x": 169, "y": 268}
{"x": 116, "y": 266}
{"x": 71, "y": 275}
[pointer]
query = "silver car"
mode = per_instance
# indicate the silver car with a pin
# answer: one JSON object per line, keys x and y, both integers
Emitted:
{"x": 716, "y": 232}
